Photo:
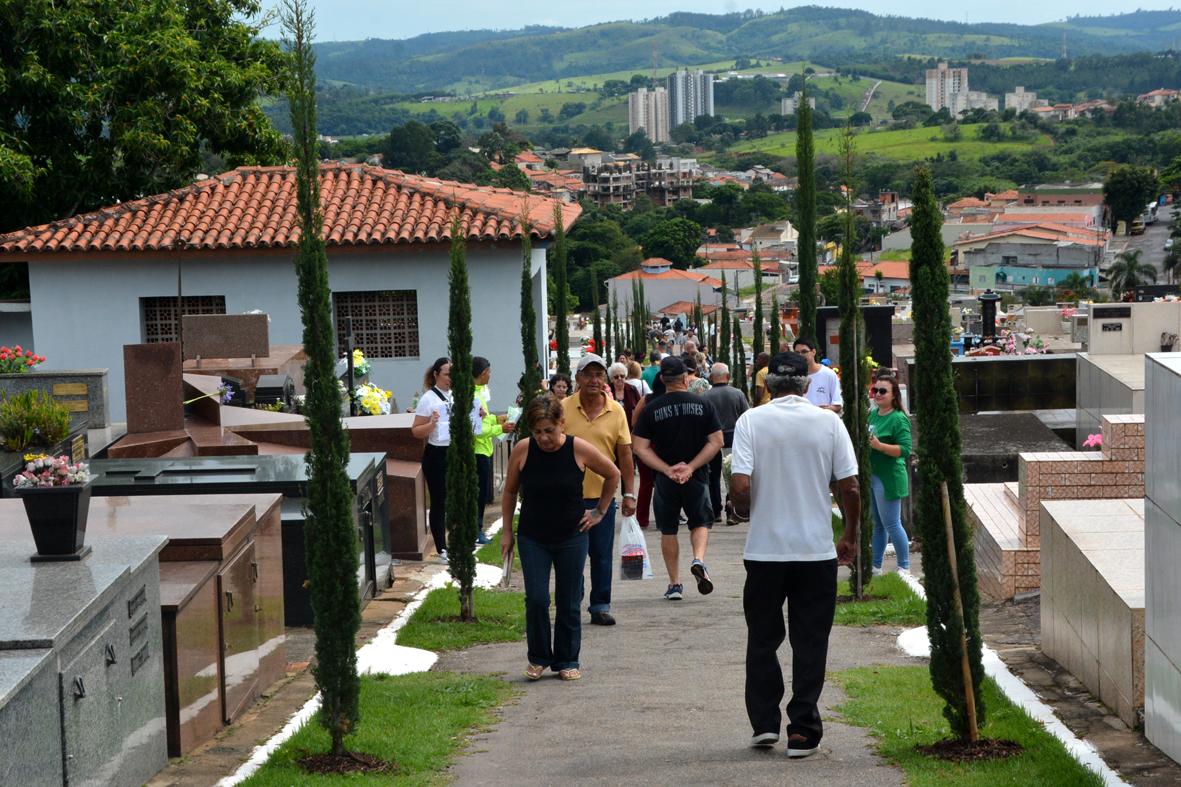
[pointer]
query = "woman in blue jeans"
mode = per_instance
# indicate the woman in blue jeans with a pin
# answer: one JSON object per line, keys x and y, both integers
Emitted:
{"x": 889, "y": 443}
{"x": 547, "y": 468}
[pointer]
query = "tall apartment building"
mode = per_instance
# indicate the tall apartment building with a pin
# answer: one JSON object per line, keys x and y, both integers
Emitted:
{"x": 648, "y": 110}
{"x": 943, "y": 84}
{"x": 1020, "y": 99}
{"x": 791, "y": 105}
{"x": 690, "y": 95}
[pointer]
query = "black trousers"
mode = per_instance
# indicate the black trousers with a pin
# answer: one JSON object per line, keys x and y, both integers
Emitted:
{"x": 484, "y": 474}
{"x": 434, "y": 469}
{"x": 810, "y": 590}
{"x": 715, "y": 476}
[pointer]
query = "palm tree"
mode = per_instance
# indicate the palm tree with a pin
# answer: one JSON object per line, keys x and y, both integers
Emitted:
{"x": 1076, "y": 284}
{"x": 1129, "y": 271}
{"x": 1172, "y": 262}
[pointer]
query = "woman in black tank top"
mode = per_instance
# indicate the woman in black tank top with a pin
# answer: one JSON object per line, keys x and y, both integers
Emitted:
{"x": 548, "y": 470}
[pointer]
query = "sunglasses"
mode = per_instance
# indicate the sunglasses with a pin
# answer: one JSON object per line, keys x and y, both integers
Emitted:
{"x": 881, "y": 391}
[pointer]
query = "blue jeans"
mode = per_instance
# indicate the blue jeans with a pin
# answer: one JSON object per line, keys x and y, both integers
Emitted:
{"x": 566, "y": 559}
{"x": 887, "y": 520}
{"x": 602, "y": 546}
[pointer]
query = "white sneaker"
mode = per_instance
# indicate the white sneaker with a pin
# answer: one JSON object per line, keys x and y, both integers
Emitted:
{"x": 442, "y": 556}
{"x": 890, "y": 548}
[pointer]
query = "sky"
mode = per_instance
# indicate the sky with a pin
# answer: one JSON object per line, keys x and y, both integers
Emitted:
{"x": 345, "y": 20}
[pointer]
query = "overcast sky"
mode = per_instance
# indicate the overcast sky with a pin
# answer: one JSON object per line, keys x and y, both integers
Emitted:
{"x": 344, "y": 20}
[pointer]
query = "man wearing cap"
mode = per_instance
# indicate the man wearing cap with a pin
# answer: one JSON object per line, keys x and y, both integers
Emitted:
{"x": 594, "y": 415}
{"x": 676, "y": 435}
{"x": 784, "y": 455}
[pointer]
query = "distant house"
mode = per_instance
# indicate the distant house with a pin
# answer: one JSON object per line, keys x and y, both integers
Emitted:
{"x": 1159, "y": 97}
{"x": 895, "y": 275}
{"x": 225, "y": 244}
{"x": 664, "y": 284}
{"x": 1035, "y": 254}
{"x": 739, "y": 269}
{"x": 529, "y": 161}
{"x": 775, "y": 236}
{"x": 1055, "y": 194}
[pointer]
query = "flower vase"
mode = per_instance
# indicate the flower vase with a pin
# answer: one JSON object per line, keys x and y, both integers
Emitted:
{"x": 57, "y": 517}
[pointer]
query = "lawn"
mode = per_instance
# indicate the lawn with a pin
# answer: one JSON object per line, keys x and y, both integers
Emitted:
{"x": 899, "y": 707}
{"x": 416, "y": 721}
{"x": 901, "y": 607}
{"x": 500, "y": 617}
{"x": 490, "y": 554}
{"x": 905, "y": 145}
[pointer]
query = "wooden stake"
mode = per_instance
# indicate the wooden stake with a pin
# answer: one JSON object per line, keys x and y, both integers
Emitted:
{"x": 969, "y": 695}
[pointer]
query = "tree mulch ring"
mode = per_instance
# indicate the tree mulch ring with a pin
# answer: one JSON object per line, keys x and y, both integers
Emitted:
{"x": 854, "y": 599}
{"x": 967, "y": 751}
{"x": 349, "y": 762}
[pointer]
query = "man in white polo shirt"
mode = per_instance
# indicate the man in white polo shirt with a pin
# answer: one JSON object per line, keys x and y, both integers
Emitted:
{"x": 785, "y": 453}
{"x": 824, "y": 387}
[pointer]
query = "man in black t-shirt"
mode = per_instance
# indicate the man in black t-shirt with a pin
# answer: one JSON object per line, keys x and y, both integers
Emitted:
{"x": 676, "y": 435}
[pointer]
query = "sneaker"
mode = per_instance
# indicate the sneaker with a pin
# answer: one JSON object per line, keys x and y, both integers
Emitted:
{"x": 764, "y": 740}
{"x": 890, "y": 548}
{"x": 442, "y": 558}
{"x": 602, "y": 619}
{"x": 704, "y": 585}
{"x": 799, "y": 746}
{"x": 675, "y": 592}
{"x": 483, "y": 538}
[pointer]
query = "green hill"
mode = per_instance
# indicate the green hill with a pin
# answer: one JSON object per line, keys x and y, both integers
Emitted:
{"x": 913, "y": 144}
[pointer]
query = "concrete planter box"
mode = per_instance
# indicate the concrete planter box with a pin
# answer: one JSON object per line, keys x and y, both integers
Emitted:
{"x": 84, "y": 391}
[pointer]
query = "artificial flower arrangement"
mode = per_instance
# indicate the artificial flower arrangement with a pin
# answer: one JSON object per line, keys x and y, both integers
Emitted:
{"x": 1068, "y": 312}
{"x": 360, "y": 365}
{"x": 1093, "y": 441}
{"x": 14, "y": 360}
{"x": 372, "y": 399}
{"x": 46, "y": 471}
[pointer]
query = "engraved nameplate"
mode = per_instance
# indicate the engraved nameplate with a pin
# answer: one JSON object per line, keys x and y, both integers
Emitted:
{"x": 139, "y": 630}
{"x": 78, "y": 448}
{"x": 1113, "y": 327}
{"x": 1110, "y": 312}
{"x": 69, "y": 389}
{"x": 138, "y": 659}
{"x": 138, "y": 600}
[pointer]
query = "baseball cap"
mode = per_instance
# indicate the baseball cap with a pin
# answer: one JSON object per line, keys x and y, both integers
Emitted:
{"x": 788, "y": 364}
{"x": 672, "y": 366}
{"x": 588, "y": 359}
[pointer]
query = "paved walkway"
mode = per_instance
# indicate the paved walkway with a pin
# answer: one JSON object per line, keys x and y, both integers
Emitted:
{"x": 661, "y": 699}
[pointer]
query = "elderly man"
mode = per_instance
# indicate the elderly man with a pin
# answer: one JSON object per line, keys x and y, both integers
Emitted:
{"x": 730, "y": 404}
{"x": 785, "y": 454}
{"x": 592, "y": 414}
{"x": 676, "y": 435}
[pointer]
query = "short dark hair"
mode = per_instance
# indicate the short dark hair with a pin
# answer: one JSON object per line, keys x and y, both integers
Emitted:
{"x": 543, "y": 408}
{"x": 804, "y": 340}
{"x": 480, "y": 364}
{"x": 560, "y": 377}
{"x": 654, "y": 356}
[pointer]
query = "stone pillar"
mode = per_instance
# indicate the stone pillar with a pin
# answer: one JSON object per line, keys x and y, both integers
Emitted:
{"x": 153, "y": 388}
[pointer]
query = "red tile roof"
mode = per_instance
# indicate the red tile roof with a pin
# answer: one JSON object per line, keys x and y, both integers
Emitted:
{"x": 891, "y": 269}
{"x": 1058, "y": 233}
{"x": 672, "y": 273}
{"x": 686, "y": 307}
{"x": 255, "y": 208}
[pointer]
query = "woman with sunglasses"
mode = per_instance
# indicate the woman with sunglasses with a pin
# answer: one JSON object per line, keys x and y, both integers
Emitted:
{"x": 889, "y": 442}
{"x": 627, "y": 395}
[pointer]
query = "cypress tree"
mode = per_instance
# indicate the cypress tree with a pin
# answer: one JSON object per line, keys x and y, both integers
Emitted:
{"x": 936, "y": 409}
{"x": 756, "y": 344}
{"x": 608, "y": 332}
{"x": 329, "y": 533}
{"x": 598, "y": 318}
{"x": 561, "y": 294}
{"x": 530, "y": 383}
{"x": 855, "y": 370}
{"x": 739, "y": 360}
{"x": 775, "y": 327}
{"x": 699, "y": 320}
{"x": 727, "y": 352}
{"x": 806, "y": 210}
{"x": 462, "y": 479}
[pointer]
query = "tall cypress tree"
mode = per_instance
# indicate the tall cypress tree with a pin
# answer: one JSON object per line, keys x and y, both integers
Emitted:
{"x": 530, "y": 383}
{"x": 775, "y": 325}
{"x": 608, "y": 332}
{"x": 740, "y": 360}
{"x": 561, "y": 296}
{"x": 855, "y": 369}
{"x": 329, "y": 533}
{"x": 725, "y": 348}
{"x": 806, "y": 209}
{"x": 936, "y": 409}
{"x": 699, "y": 320}
{"x": 756, "y": 344}
{"x": 462, "y": 479}
{"x": 597, "y": 333}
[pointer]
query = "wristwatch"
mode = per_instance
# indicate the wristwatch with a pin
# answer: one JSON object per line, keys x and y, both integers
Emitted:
{"x": 627, "y": 495}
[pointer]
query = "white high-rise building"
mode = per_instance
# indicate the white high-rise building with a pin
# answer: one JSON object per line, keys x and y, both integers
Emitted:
{"x": 1020, "y": 100}
{"x": 648, "y": 110}
{"x": 791, "y": 104}
{"x": 942, "y": 85}
{"x": 690, "y": 95}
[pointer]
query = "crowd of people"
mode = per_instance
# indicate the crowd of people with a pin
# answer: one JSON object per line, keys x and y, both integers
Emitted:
{"x": 658, "y": 433}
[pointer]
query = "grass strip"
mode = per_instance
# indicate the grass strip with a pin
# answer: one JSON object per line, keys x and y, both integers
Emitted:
{"x": 490, "y": 554}
{"x": 900, "y": 607}
{"x": 900, "y": 707}
{"x": 500, "y": 617}
{"x": 416, "y": 721}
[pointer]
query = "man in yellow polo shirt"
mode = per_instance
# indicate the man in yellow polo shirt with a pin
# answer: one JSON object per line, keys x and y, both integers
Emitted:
{"x": 592, "y": 415}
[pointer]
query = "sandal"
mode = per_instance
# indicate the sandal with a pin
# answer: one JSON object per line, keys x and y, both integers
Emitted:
{"x": 569, "y": 674}
{"x": 534, "y": 672}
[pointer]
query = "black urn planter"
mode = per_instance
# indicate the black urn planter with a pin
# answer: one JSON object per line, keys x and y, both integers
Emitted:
{"x": 57, "y": 516}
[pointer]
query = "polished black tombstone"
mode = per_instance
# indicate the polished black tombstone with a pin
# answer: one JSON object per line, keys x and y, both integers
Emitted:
{"x": 282, "y": 474}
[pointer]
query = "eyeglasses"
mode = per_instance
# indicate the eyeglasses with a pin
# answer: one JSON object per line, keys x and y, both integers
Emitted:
{"x": 881, "y": 391}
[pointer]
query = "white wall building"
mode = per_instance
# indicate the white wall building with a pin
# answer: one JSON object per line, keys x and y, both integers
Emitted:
{"x": 663, "y": 285}
{"x": 648, "y": 110}
{"x": 1020, "y": 99}
{"x": 943, "y": 83}
{"x": 690, "y": 95}
{"x": 791, "y": 104}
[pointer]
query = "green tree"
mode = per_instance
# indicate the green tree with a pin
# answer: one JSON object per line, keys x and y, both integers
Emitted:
{"x": 411, "y": 148}
{"x": 530, "y": 383}
{"x": 775, "y": 325}
{"x": 598, "y": 319}
{"x": 608, "y": 332}
{"x": 698, "y": 318}
{"x": 937, "y": 410}
{"x": 806, "y": 210}
{"x": 557, "y": 256}
{"x": 830, "y": 289}
{"x": 106, "y": 101}
{"x": 676, "y": 240}
{"x": 739, "y": 368}
{"x": 1127, "y": 190}
{"x": 462, "y": 478}
{"x": 1036, "y": 295}
{"x": 756, "y": 344}
{"x": 1129, "y": 272}
{"x": 510, "y": 176}
{"x": 329, "y": 533}
{"x": 1075, "y": 284}
{"x": 724, "y": 332}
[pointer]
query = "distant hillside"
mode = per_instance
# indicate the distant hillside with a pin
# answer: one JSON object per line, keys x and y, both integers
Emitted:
{"x": 479, "y": 60}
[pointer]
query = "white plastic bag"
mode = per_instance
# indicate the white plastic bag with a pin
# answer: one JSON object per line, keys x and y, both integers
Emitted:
{"x": 633, "y": 551}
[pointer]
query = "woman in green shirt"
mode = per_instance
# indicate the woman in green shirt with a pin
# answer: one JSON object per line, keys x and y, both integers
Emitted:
{"x": 889, "y": 443}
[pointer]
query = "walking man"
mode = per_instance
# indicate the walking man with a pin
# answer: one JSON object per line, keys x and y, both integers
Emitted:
{"x": 594, "y": 415}
{"x": 676, "y": 435}
{"x": 730, "y": 404}
{"x": 824, "y": 387}
{"x": 785, "y": 454}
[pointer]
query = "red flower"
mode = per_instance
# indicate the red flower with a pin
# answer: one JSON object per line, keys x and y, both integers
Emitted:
{"x": 18, "y": 349}
{"x": 29, "y": 363}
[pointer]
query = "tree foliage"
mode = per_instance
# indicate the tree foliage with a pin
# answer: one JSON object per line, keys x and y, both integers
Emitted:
{"x": 756, "y": 345}
{"x": 676, "y": 240}
{"x": 107, "y": 101}
{"x": 739, "y": 369}
{"x": 1127, "y": 190}
{"x": 557, "y": 256}
{"x": 774, "y": 338}
{"x": 329, "y": 534}
{"x": 530, "y": 383}
{"x": 1129, "y": 272}
{"x": 725, "y": 347}
{"x": 806, "y": 211}
{"x": 937, "y": 411}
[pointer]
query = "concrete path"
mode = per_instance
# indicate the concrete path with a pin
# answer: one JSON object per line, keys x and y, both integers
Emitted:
{"x": 661, "y": 699}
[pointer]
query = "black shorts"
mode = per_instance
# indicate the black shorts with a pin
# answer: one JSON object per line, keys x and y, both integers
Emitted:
{"x": 670, "y": 498}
